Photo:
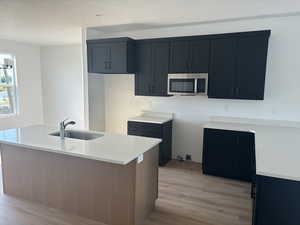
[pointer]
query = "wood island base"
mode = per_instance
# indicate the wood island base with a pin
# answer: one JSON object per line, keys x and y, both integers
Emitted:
{"x": 110, "y": 193}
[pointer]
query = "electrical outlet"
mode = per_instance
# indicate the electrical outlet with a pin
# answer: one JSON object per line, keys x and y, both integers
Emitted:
{"x": 180, "y": 158}
{"x": 188, "y": 157}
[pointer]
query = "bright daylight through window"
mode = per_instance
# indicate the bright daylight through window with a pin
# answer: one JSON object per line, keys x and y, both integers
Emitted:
{"x": 8, "y": 85}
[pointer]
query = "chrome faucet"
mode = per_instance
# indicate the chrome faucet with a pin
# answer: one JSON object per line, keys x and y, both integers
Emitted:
{"x": 63, "y": 125}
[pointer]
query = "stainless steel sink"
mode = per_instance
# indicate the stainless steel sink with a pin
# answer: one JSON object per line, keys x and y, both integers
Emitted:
{"x": 78, "y": 135}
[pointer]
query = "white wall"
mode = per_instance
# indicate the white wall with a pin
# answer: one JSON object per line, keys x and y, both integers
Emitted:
{"x": 281, "y": 94}
{"x": 96, "y": 102}
{"x": 120, "y": 102}
{"x": 29, "y": 84}
{"x": 62, "y": 83}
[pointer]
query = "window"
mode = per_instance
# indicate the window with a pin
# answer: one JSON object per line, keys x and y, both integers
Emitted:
{"x": 8, "y": 85}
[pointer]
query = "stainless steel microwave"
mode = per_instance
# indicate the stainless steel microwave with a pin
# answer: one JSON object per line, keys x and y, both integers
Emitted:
{"x": 188, "y": 84}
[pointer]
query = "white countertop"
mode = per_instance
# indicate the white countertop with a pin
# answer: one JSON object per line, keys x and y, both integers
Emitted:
{"x": 112, "y": 148}
{"x": 277, "y": 146}
{"x": 152, "y": 117}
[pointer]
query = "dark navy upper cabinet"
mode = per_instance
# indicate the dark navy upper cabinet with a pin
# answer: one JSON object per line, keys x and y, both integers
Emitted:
{"x": 235, "y": 62}
{"x": 111, "y": 56}
{"x": 222, "y": 68}
{"x": 152, "y": 68}
{"x": 251, "y": 67}
{"x": 143, "y": 75}
{"x": 199, "y": 53}
{"x": 238, "y": 65}
{"x": 189, "y": 55}
{"x": 160, "y": 66}
{"x": 179, "y": 56}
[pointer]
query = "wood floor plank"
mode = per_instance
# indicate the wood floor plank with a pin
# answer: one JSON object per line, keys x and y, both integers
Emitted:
{"x": 186, "y": 197}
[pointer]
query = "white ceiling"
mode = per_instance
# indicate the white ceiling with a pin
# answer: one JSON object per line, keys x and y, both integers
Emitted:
{"x": 60, "y": 21}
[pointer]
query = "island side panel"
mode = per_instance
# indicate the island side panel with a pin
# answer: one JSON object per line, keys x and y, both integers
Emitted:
{"x": 123, "y": 190}
{"x": 146, "y": 185}
{"x": 1, "y": 173}
{"x": 93, "y": 189}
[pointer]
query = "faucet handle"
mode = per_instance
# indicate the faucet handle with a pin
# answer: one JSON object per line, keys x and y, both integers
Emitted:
{"x": 63, "y": 122}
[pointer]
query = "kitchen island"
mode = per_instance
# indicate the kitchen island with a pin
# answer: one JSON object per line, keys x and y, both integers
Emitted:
{"x": 112, "y": 179}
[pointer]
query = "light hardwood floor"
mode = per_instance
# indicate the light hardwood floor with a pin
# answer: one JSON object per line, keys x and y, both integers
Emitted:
{"x": 186, "y": 197}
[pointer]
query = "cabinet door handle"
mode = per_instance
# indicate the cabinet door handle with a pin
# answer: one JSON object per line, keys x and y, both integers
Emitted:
{"x": 237, "y": 91}
{"x": 232, "y": 92}
{"x": 109, "y": 63}
{"x": 237, "y": 140}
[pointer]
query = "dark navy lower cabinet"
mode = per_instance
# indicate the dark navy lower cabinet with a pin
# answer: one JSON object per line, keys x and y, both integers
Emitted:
{"x": 229, "y": 154}
{"x": 154, "y": 130}
{"x": 277, "y": 201}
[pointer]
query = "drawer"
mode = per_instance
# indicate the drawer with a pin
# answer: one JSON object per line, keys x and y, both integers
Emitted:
{"x": 144, "y": 129}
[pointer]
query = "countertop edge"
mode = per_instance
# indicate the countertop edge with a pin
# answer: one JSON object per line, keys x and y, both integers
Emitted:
{"x": 77, "y": 155}
{"x": 149, "y": 121}
{"x": 228, "y": 128}
{"x": 277, "y": 176}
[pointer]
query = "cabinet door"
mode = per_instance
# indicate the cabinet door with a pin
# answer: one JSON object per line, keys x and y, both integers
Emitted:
{"x": 229, "y": 154}
{"x": 222, "y": 68}
{"x": 98, "y": 58}
{"x": 166, "y": 145}
{"x": 251, "y": 67}
{"x": 244, "y": 156}
{"x": 160, "y": 62}
{"x": 179, "y": 57}
{"x": 219, "y": 148}
{"x": 143, "y": 76}
{"x": 118, "y": 57}
{"x": 277, "y": 201}
{"x": 199, "y": 56}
